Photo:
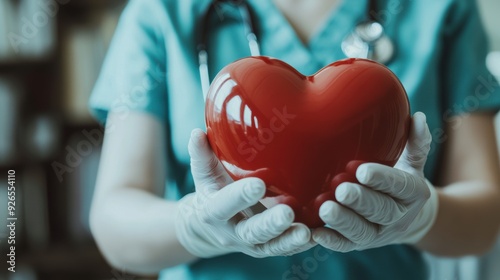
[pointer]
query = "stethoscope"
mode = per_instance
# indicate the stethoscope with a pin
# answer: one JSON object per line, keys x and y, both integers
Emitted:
{"x": 367, "y": 40}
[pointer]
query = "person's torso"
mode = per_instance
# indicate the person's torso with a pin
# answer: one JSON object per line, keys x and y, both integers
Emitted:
{"x": 412, "y": 25}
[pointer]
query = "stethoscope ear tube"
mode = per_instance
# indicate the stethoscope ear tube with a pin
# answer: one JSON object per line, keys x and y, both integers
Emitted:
{"x": 204, "y": 76}
{"x": 249, "y": 29}
{"x": 202, "y": 43}
{"x": 201, "y": 46}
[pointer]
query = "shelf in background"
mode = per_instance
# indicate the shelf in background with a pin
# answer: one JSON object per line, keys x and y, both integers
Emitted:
{"x": 17, "y": 64}
{"x": 67, "y": 260}
{"x": 76, "y": 7}
{"x": 54, "y": 83}
{"x": 73, "y": 262}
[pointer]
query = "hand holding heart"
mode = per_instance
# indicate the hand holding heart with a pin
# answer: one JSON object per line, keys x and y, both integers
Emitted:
{"x": 307, "y": 137}
{"x": 390, "y": 206}
{"x": 222, "y": 216}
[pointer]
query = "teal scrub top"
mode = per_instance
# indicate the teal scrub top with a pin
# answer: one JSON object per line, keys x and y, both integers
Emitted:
{"x": 152, "y": 66}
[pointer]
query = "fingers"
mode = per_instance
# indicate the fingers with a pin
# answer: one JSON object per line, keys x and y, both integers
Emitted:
{"x": 392, "y": 181}
{"x": 208, "y": 173}
{"x": 265, "y": 226}
{"x": 233, "y": 198}
{"x": 374, "y": 206}
{"x": 302, "y": 248}
{"x": 346, "y": 222}
{"x": 332, "y": 240}
{"x": 295, "y": 238}
{"x": 418, "y": 145}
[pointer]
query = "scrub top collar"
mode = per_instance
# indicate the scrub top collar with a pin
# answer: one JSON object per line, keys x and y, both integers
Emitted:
{"x": 278, "y": 39}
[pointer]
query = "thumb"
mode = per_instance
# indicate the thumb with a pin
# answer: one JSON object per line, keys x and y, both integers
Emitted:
{"x": 206, "y": 168}
{"x": 418, "y": 146}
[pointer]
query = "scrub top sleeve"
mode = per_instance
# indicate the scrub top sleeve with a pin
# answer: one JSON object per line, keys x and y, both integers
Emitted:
{"x": 468, "y": 85}
{"x": 133, "y": 74}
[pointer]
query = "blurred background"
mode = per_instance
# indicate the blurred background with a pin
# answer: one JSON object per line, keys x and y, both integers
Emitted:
{"x": 50, "y": 55}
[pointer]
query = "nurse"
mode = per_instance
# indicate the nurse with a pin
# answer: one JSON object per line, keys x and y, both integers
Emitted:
{"x": 163, "y": 203}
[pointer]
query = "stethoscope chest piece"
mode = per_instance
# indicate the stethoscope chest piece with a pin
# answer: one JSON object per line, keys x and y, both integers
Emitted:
{"x": 368, "y": 40}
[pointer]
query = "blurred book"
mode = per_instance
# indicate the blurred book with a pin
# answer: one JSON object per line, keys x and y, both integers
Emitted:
{"x": 37, "y": 23}
{"x": 34, "y": 193}
{"x": 9, "y": 115}
{"x": 8, "y": 22}
{"x": 41, "y": 137}
{"x": 84, "y": 49}
{"x": 27, "y": 28}
{"x": 82, "y": 181}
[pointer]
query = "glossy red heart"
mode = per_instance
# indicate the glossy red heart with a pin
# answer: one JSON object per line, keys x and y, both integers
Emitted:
{"x": 304, "y": 135}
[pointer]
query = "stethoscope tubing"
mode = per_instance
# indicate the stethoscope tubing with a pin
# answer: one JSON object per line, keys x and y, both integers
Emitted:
{"x": 366, "y": 46}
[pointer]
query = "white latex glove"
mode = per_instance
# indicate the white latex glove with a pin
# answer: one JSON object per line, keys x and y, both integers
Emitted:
{"x": 391, "y": 206}
{"x": 210, "y": 221}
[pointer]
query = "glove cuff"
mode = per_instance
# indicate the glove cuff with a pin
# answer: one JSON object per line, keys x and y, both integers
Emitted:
{"x": 425, "y": 219}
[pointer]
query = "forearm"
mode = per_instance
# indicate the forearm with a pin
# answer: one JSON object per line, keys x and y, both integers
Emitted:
{"x": 135, "y": 231}
{"x": 467, "y": 222}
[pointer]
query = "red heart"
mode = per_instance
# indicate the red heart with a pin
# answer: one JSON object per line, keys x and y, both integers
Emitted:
{"x": 304, "y": 135}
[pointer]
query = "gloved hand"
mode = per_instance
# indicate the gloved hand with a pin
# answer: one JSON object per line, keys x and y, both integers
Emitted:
{"x": 390, "y": 206}
{"x": 210, "y": 221}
